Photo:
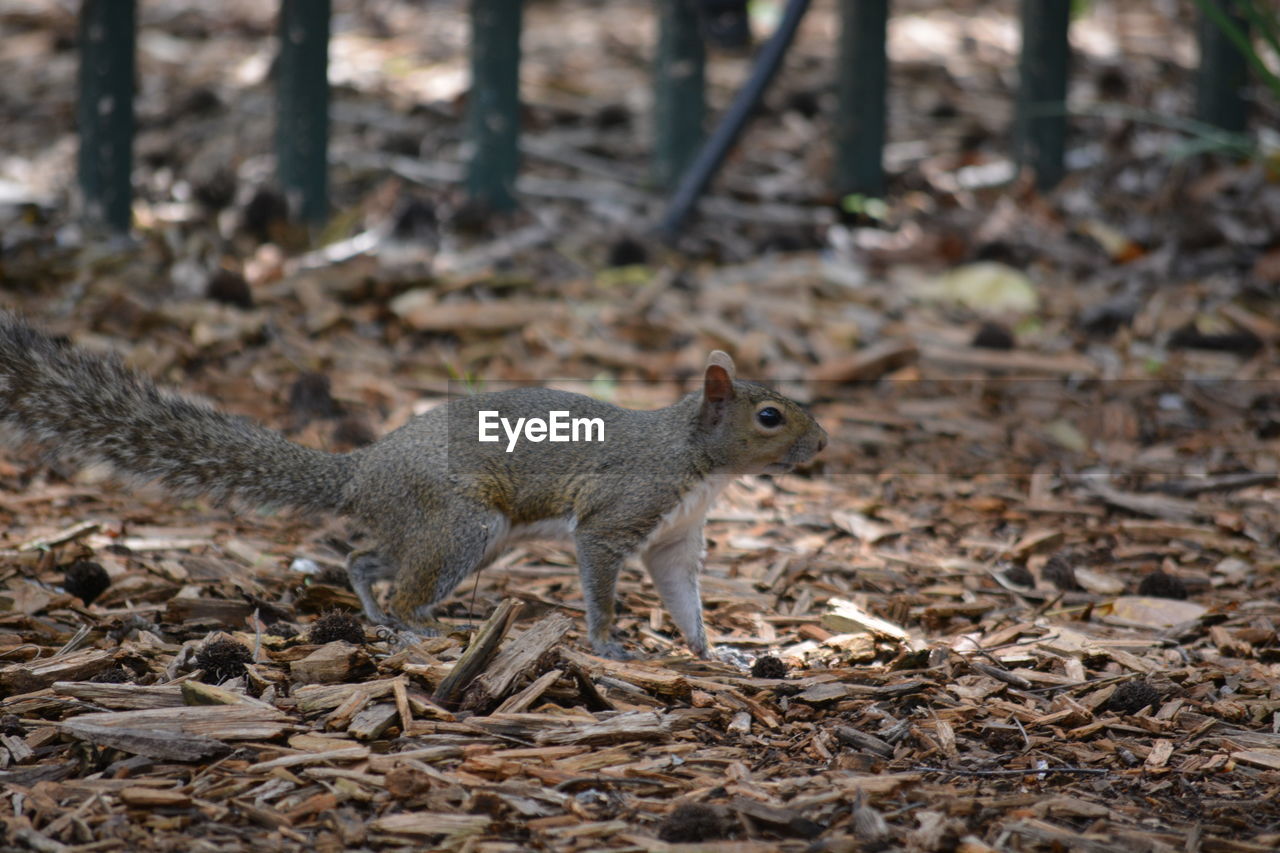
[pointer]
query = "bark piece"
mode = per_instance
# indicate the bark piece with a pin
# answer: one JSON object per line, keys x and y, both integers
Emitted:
{"x": 870, "y": 363}
{"x": 149, "y": 798}
{"x": 518, "y": 660}
{"x": 73, "y": 666}
{"x": 522, "y": 701}
{"x": 182, "y": 734}
{"x": 373, "y": 721}
{"x": 847, "y": 617}
{"x": 317, "y": 698}
{"x": 420, "y": 310}
{"x": 122, "y": 697}
{"x": 338, "y": 661}
{"x": 556, "y": 730}
{"x": 349, "y": 753}
{"x": 448, "y": 824}
{"x": 479, "y": 653}
{"x": 647, "y": 677}
{"x": 168, "y": 746}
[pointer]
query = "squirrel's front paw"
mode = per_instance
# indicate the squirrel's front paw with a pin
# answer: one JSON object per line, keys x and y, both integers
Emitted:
{"x": 416, "y": 629}
{"x": 402, "y": 636}
{"x": 612, "y": 650}
{"x": 420, "y": 620}
{"x": 729, "y": 655}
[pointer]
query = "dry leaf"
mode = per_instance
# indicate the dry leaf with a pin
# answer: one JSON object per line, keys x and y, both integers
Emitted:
{"x": 1155, "y": 612}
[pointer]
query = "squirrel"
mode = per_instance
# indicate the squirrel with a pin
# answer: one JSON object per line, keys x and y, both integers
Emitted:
{"x": 439, "y": 497}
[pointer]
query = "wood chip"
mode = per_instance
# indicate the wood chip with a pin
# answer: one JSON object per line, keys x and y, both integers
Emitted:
{"x": 150, "y": 798}
{"x": 517, "y": 660}
{"x": 351, "y": 753}
{"x": 74, "y": 666}
{"x": 846, "y": 616}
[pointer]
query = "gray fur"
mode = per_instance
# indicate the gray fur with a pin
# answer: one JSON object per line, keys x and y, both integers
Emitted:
{"x": 94, "y": 409}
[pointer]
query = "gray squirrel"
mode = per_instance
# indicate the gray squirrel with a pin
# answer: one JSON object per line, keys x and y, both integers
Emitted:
{"x": 440, "y": 497}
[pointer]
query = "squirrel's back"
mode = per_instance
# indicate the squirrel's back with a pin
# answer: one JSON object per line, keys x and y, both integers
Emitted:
{"x": 93, "y": 408}
{"x": 531, "y": 453}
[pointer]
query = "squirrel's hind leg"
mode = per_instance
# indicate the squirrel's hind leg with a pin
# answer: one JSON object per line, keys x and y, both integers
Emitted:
{"x": 437, "y": 557}
{"x": 364, "y": 568}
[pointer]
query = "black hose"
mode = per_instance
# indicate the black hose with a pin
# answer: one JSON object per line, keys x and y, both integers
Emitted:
{"x": 712, "y": 153}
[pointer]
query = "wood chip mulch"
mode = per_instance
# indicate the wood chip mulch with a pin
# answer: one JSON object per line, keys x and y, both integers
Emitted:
{"x": 980, "y": 706}
{"x": 1026, "y": 600}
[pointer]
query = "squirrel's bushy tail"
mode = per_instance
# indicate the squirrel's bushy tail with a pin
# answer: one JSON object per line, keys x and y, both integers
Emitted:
{"x": 96, "y": 409}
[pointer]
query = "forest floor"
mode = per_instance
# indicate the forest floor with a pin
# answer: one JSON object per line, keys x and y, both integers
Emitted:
{"x": 1027, "y": 599}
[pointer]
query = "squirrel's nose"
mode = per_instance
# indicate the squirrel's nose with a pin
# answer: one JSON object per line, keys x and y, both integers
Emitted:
{"x": 822, "y": 441}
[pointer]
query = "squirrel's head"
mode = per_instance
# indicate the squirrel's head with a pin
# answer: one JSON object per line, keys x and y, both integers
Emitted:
{"x": 752, "y": 429}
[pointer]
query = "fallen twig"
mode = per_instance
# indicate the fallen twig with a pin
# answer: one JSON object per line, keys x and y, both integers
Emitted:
{"x": 1030, "y": 771}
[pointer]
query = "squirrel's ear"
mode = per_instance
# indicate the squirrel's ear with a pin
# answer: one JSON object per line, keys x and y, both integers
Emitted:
{"x": 718, "y": 383}
{"x": 717, "y": 387}
{"x": 722, "y": 359}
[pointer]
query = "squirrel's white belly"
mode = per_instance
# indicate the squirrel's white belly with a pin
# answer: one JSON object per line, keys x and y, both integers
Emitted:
{"x": 690, "y": 512}
{"x": 503, "y": 534}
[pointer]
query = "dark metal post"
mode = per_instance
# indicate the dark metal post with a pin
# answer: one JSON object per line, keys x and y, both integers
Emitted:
{"x": 861, "y": 84}
{"x": 493, "y": 109}
{"x": 711, "y": 155}
{"x": 679, "y": 84}
{"x": 1041, "y": 121}
{"x": 302, "y": 123}
{"x": 1224, "y": 71}
{"x": 105, "y": 110}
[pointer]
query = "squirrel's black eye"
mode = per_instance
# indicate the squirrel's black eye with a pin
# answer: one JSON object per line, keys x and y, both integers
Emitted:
{"x": 769, "y": 417}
